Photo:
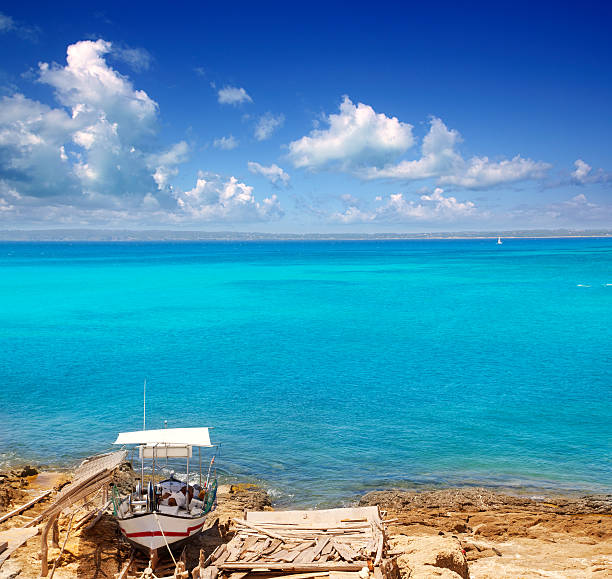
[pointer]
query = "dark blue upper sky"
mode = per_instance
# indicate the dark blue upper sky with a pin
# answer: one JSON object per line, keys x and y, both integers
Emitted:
{"x": 306, "y": 117}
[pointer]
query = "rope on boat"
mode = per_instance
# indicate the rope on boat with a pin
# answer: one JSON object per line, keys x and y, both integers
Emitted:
{"x": 164, "y": 536}
{"x": 64, "y": 545}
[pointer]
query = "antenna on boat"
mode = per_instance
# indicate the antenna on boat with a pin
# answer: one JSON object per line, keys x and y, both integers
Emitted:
{"x": 144, "y": 404}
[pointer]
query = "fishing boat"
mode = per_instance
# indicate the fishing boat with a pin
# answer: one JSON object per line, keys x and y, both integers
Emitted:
{"x": 163, "y": 511}
{"x": 499, "y": 241}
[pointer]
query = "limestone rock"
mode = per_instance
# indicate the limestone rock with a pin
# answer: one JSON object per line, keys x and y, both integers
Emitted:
{"x": 27, "y": 470}
{"x": 431, "y": 557}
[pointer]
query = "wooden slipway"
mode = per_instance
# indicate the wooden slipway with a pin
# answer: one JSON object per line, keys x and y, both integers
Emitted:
{"x": 345, "y": 543}
{"x": 13, "y": 539}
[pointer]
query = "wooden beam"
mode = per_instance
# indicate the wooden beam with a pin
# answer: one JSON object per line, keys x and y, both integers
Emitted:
{"x": 303, "y": 575}
{"x": 125, "y": 569}
{"x": 379, "y": 550}
{"x": 24, "y": 507}
{"x": 345, "y": 551}
{"x": 259, "y": 529}
{"x": 15, "y": 537}
{"x": 91, "y": 514}
{"x": 44, "y": 548}
{"x": 299, "y": 568}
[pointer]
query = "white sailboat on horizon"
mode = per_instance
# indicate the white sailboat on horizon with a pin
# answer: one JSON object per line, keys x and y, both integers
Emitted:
{"x": 499, "y": 241}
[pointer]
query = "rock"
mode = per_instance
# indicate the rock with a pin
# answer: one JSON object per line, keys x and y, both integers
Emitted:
{"x": 460, "y": 528}
{"x": 481, "y": 499}
{"x": 233, "y": 500}
{"x": 494, "y": 529}
{"x": 248, "y": 497}
{"x": 27, "y": 471}
{"x": 431, "y": 557}
{"x": 10, "y": 496}
{"x": 475, "y": 555}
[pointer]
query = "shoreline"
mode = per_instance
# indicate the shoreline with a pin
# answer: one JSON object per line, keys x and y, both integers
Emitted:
{"x": 452, "y": 533}
{"x": 284, "y": 498}
{"x": 45, "y": 476}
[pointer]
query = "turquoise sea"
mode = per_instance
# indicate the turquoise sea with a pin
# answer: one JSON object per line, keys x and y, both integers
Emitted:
{"x": 326, "y": 368}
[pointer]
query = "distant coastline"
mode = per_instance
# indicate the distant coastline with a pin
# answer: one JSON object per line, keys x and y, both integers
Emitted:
{"x": 112, "y": 235}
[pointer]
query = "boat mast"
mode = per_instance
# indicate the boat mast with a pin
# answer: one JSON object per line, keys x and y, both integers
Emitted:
{"x": 144, "y": 427}
{"x": 187, "y": 490}
{"x": 144, "y": 406}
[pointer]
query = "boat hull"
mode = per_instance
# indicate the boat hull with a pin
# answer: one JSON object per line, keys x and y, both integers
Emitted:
{"x": 145, "y": 531}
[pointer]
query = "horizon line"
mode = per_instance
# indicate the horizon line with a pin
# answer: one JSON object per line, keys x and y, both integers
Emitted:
{"x": 92, "y": 234}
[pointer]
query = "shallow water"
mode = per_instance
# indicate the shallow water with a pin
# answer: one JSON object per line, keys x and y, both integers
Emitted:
{"x": 326, "y": 368}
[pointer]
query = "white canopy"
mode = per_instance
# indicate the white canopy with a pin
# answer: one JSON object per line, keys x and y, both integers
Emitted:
{"x": 174, "y": 436}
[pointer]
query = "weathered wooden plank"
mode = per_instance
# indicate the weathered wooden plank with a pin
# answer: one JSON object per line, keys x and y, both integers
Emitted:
{"x": 248, "y": 544}
{"x": 370, "y": 548}
{"x": 210, "y": 572}
{"x": 306, "y": 575}
{"x": 344, "y": 550}
{"x": 312, "y": 527}
{"x": 298, "y": 568}
{"x": 323, "y": 517}
{"x": 258, "y": 529}
{"x": 221, "y": 554}
{"x": 233, "y": 553}
{"x": 278, "y": 555}
{"x": 253, "y": 556}
{"x": 306, "y": 556}
{"x": 123, "y": 573}
{"x": 26, "y": 506}
{"x": 263, "y": 545}
{"x": 320, "y": 544}
{"x": 343, "y": 575}
{"x": 379, "y": 549}
{"x": 306, "y": 545}
{"x": 274, "y": 544}
{"x": 287, "y": 555}
{"x": 15, "y": 538}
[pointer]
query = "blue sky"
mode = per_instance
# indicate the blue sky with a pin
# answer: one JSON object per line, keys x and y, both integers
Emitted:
{"x": 306, "y": 118}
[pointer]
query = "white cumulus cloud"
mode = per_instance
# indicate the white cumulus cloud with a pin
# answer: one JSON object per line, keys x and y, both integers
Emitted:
{"x": 91, "y": 89}
{"x": 273, "y": 173}
{"x": 267, "y": 124}
{"x": 94, "y": 158}
{"x": 367, "y": 144}
{"x": 438, "y": 157}
{"x": 578, "y": 211}
{"x": 165, "y": 164}
{"x": 231, "y": 95}
{"x": 226, "y": 143}
{"x": 440, "y": 160}
{"x": 6, "y": 23}
{"x": 215, "y": 199}
{"x": 584, "y": 174}
{"x": 356, "y": 136}
{"x": 138, "y": 59}
{"x": 432, "y": 207}
{"x": 480, "y": 172}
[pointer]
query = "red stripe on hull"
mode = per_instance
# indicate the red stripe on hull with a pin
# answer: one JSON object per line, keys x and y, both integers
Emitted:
{"x": 166, "y": 533}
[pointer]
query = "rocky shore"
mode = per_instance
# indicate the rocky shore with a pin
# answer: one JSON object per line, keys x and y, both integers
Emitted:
{"x": 477, "y": 533}
{"x": 454, "y": 533}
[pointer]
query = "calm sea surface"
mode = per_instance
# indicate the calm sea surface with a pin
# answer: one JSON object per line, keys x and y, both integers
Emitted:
{"x": 326, "y": 368}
